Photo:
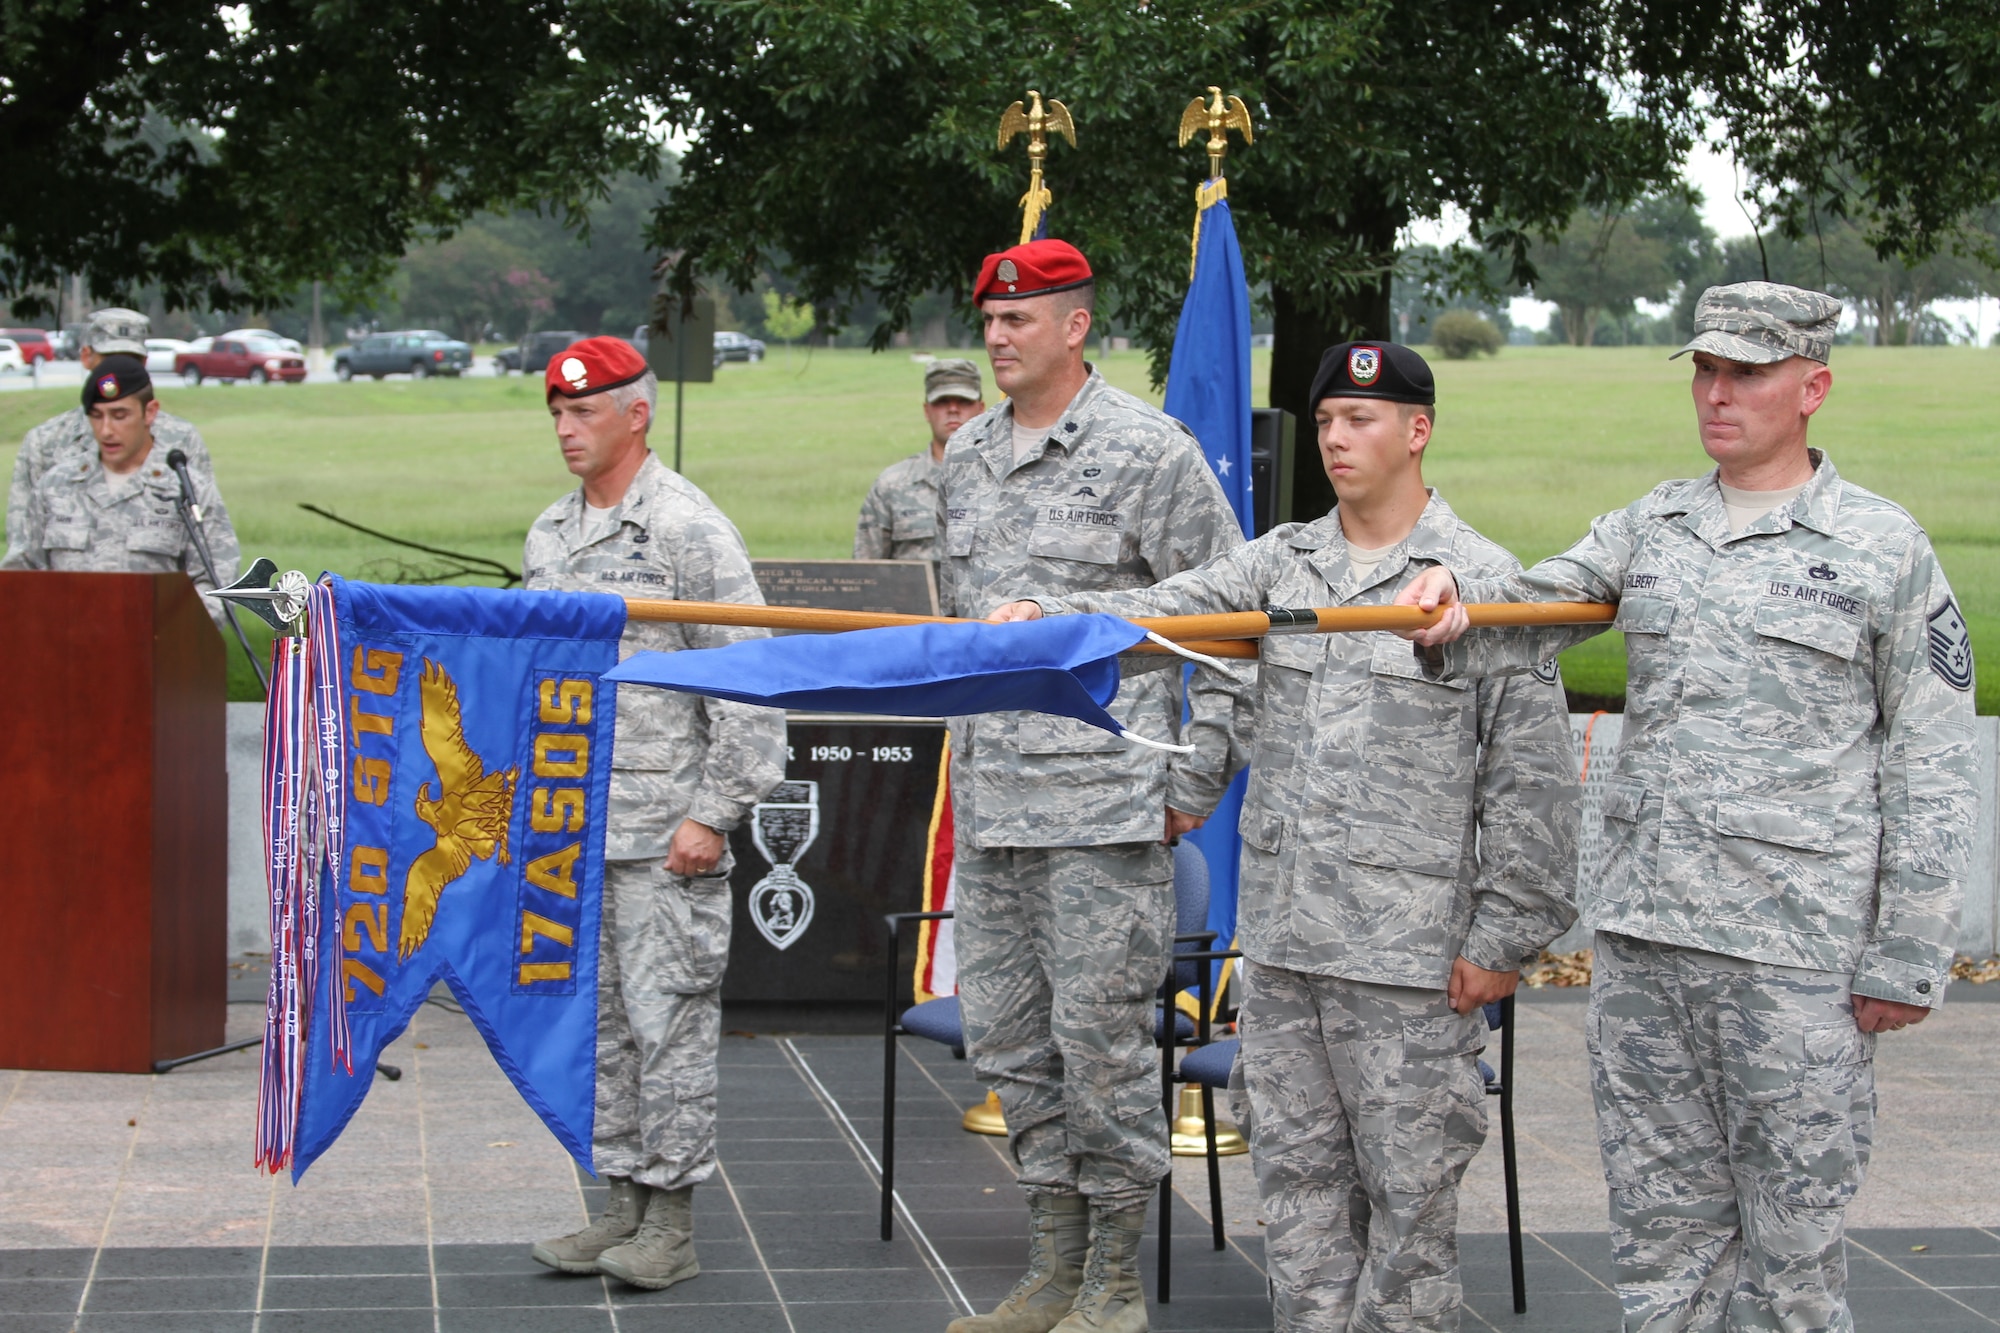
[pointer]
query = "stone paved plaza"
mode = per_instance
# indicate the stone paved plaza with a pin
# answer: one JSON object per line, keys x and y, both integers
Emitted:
{"x": 130, "y": 1202}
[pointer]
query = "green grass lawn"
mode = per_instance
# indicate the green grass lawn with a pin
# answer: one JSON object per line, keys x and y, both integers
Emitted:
{"x": 1530, "y": 445}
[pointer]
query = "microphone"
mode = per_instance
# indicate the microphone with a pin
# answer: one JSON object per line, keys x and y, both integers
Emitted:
{"x": 177, "y": 459}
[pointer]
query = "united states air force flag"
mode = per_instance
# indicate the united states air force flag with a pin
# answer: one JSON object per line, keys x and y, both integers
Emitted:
{"x": 442, "y": 819}
{"x": 1208, "y": 389}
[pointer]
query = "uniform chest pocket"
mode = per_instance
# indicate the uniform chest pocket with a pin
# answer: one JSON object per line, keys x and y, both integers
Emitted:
{"x": 908, "y": 524}
{"x": 1414, "y": 722}
{"x": 154, "y": 539}
{"x": 1096, "y": 546}
{"x": 1809, "y": 683}
{"x": 958, "y": 535}
{"x": 66, "y": 536}
{"x": 1043, "y": 733}
{"x": 1284, "y": 676}
{"x": 1645, "y": 615}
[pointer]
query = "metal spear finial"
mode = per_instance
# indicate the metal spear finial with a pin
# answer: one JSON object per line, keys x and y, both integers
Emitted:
{"x": 280, "y": 604}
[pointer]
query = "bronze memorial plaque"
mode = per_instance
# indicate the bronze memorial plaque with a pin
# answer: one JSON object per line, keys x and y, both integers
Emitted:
{"x": 905, "y": 586}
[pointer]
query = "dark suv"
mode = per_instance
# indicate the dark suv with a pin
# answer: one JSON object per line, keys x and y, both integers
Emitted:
{"x": 533, "y": 355}
{"x": 416, "y": 352}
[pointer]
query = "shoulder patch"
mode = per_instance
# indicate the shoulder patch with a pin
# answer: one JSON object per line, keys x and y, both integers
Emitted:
{"x": 1548, "y": 672}
{"x": 1951, "y": 646}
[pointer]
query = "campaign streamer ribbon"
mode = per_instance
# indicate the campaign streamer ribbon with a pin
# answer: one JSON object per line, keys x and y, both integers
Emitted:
{"x": 304, "y": 768}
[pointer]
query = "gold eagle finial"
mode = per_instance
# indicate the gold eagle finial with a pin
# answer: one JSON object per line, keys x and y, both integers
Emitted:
{"x": 1036, "y": 123}
{"x": 471, "y": 814}
{"x": 1218, "y": 117}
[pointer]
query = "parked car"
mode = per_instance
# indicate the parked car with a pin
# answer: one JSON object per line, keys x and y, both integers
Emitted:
{"x": 10, "y": 356}
{"x": 289, "y": 344}
{"x": 34, "y": 344}
{"x": 737, "y": 347}
{"x": 255, "y": 359}
{"x": 160, "y": 354}
{"x": 419, "y": 353}
{"x": 532, "y": 356}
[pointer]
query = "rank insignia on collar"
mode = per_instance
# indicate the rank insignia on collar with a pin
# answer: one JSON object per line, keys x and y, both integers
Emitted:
{"x": 1364, "y": 365}
{"x": 1951, "y": 646}
{"x": 1092, "y": 471}
{"x": 1823, "y": 572}
{"x": 1548, "y": 672}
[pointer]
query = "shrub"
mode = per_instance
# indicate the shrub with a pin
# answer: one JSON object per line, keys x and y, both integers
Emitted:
{"x": 1460, "y": 334}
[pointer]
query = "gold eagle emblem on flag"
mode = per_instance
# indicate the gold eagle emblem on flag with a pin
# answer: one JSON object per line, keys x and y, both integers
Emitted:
{"x": 472, "y": 813}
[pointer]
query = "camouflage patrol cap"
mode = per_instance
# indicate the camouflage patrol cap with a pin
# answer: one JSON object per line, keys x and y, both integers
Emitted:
{"x": 952, "y": 377}
{"x": 1762, "y": 322}
{"x": 116, "y": 329}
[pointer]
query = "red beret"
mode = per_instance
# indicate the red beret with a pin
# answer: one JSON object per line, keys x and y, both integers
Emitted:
{"x": 592, "y": 366}
{"x": 1034, "y": 269}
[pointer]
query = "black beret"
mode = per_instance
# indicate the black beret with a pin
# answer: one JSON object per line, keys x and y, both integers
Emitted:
{"x": 1374, "y": 370}
{"x": 119, "y": 375}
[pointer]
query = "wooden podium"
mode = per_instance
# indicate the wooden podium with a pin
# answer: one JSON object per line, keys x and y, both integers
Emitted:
{"x": 113, "y": 822}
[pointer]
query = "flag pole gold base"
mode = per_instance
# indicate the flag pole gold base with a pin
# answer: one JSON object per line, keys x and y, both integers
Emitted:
{"x": 1189, "y": 1137}
{"x": 985, "y": 1118}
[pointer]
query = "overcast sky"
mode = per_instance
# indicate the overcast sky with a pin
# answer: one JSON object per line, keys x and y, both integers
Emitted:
{"x": 1715, "y": 176}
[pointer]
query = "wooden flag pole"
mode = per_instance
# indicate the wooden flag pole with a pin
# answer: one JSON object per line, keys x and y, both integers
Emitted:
{"x": 1224, "y": 635}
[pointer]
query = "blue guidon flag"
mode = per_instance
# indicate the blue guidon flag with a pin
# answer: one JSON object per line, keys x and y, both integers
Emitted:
{"x": 437, "y": 770}
{"x": 1208, "y": 389}
{"x": 1065, "y": 665}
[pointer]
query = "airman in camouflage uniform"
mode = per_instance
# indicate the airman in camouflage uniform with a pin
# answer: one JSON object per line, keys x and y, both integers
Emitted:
{"x": 1395, "y": 830}
{"x": 665, "y": 938}
{"x": 899, "y": 518}
{"x": 1064, "y": 886}
{"x": 1786, "y": 833}
{"x": 79, "y": 515}
{"x": 68, "y": 434}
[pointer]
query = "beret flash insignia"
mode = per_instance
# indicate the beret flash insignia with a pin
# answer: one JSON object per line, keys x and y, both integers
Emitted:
{"x": 576, "y": 372}
{"x": 1364, "y": 364}
{"x": 107, "y": 388}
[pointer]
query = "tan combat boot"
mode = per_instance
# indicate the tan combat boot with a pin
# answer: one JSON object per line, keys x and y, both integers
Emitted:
{"x": 663, "y": 1251}
{"x": 1111, "y": 1299}
{"x": 1058, "y": 1238}
{"x": 578, "y": 1251}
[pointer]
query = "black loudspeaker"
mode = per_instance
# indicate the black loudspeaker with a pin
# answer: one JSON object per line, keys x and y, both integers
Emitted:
{"x": 1273, "y": 445}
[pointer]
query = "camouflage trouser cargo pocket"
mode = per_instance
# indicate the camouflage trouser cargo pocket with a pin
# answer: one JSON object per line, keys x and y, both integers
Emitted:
{"x": 692, "y": 915}
{"x": 1440, "y": 1105}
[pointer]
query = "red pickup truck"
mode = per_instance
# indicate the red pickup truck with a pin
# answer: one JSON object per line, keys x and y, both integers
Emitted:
{"x": 241, "y": 359}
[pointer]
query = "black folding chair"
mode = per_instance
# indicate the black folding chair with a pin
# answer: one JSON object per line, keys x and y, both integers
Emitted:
{"x": 939, "y": 1020}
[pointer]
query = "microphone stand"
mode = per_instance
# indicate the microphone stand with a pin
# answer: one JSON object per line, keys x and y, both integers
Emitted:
{"x": 191, "y": 516}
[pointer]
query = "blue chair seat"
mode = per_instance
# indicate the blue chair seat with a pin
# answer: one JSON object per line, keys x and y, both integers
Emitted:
{"x": 1488, "y": 1077}
{"x": 1210, "y": 1065}
{"x": 938, "y": 1020}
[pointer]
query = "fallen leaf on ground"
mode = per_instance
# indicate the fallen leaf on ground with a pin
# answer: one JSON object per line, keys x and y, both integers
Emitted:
{"x": 1558, "y": 969}
{"x": 1977, "y": 971}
